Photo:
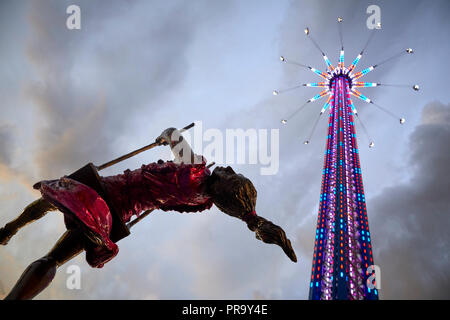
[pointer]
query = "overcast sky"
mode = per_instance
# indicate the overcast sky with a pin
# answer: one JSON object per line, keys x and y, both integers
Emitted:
{"x": 138, "y": 67}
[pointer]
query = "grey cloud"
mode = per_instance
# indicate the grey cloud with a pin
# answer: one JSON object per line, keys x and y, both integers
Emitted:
{"x": 132, "y": 67}
{"x": 410, "y": 221}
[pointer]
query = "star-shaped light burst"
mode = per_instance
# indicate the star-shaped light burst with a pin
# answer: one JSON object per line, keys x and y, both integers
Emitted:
{"x": 331, "y": 75}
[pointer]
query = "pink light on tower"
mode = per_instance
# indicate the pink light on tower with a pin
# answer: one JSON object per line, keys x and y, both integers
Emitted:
{"x": 342, "y": 236}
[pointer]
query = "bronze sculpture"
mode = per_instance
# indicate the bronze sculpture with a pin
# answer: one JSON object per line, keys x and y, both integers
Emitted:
{"x": 97, "y": 210}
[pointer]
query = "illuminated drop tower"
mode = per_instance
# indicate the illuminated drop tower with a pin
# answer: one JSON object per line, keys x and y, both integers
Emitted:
{"x": 342, "y": 248}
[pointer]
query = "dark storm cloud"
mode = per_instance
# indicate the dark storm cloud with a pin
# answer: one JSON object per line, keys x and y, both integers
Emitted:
{"x": 85, "y": 77}
{"x": 70, "y": 122}
{"x": 411, "y": 221}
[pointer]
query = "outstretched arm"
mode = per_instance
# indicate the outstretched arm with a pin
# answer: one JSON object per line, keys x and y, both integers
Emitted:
{"x": 232, "y": 193}
{"x": 268, "y": 232}
{"x": 235, "y": 195}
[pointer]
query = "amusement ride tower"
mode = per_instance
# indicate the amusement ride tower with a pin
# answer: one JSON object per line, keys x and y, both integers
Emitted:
{"x": 342, "y": 248}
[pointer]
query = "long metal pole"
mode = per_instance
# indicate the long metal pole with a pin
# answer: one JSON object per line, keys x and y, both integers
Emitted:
{"x": 135, "y": 152}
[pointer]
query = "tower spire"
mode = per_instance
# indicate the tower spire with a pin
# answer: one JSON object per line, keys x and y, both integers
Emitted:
{"x": 343, "y": 242}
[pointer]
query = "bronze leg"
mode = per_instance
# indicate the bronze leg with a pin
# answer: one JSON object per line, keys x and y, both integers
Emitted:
{"x": 34, "y": 211}
{"x": 40, "y": 273}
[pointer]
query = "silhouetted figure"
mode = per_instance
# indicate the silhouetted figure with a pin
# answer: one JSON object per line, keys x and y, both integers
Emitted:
{"x": 183, "y": 185}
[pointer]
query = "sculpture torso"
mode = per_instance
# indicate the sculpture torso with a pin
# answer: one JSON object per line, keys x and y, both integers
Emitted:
{"x": 163, "y": 185}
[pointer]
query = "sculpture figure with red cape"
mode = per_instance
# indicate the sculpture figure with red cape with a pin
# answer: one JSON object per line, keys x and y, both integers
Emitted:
{"x": 97, "y": 210}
